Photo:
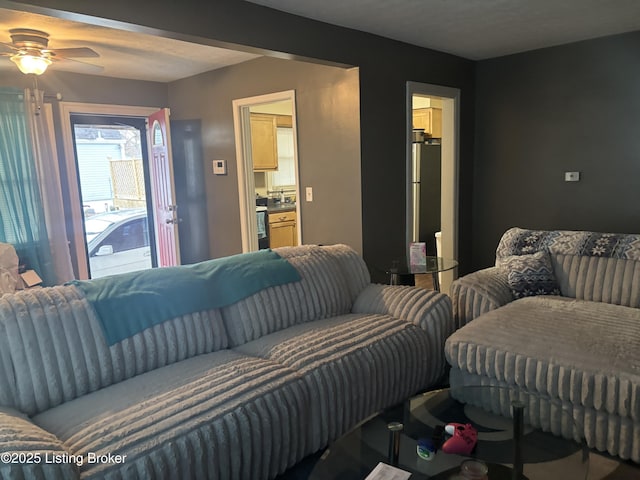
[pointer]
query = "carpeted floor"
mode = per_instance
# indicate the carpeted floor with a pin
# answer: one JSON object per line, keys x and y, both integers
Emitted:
{"x": 604, "y": 467}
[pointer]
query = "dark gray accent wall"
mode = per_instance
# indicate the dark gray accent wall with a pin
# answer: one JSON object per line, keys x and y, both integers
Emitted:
{"x": 385, "y": 67}
{"x": 569, "y": 108}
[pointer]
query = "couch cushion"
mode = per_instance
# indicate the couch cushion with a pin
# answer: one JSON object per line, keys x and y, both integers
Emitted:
{"x": 354, "y": 365}
{"x": 529, "y": 275}
{"x": 32, "y": 449}
{"x": 518, "y": 241}
{"x": 599, "y": 267}
{"x": 52, "y": 349}
{"x": 587, "y": 353}
{"x": 332, "y": 277}
{"x": 219, "y": 415}
{"x": 610, "y": 280}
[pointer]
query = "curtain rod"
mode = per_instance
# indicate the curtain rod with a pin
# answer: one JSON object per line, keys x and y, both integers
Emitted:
{"x": 52, "y": 96}
{"x": 49, "y": 96}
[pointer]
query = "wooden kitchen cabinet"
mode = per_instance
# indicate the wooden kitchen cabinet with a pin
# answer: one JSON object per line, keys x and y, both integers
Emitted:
{"x": 282, "y": 229}
{"x": 264, "y": 146}
{"x": 429, "y": 119}
{"x": 284, "y": 121}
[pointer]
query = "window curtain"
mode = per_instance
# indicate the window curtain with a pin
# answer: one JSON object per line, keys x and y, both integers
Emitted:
{"x": 22, "y": 213}
{"x": 40, "y": 122}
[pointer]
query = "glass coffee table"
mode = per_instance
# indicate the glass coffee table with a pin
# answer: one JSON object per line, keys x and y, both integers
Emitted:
{"x": 508, "y": 445}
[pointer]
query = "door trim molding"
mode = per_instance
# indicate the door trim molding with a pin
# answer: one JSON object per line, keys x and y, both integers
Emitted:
{"x": 67, "y": 109}
{"x": 246, "y": 185}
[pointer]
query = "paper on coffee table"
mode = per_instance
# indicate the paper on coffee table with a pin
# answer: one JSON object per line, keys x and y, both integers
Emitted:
{"x": 387, "y": 472}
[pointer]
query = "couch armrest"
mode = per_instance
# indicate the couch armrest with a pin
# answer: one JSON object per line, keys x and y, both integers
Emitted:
{"x": 28, "y": 451}
{"x": 478, "y": 293}
{"x": 425, "y": 308}
{"x": 428, "y": 310}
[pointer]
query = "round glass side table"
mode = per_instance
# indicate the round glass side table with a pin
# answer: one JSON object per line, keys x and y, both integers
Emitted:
{"x": 398, "y": 272}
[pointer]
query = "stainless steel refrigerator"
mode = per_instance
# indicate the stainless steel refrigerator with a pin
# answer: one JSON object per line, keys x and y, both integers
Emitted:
{"x": 426, "y": 195}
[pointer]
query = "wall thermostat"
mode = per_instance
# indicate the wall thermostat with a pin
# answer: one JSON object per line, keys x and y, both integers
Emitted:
{"x": 220, "y": 167}
{"x": 571, "y": 176}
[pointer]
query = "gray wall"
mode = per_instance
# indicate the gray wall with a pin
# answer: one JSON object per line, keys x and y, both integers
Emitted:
{"x": 385, "y": 67}
{"x": 569, "y": 108}
{"x": 92, "y": 89}
{"x": 328, "y": 122}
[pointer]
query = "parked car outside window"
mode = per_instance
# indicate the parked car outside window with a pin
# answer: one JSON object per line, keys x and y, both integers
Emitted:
{"x": 118, "y": 242}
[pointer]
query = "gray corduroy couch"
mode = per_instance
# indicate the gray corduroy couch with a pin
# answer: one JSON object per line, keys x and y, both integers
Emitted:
{"x": 239, "y": 392}
{"x": 579, "y": 348}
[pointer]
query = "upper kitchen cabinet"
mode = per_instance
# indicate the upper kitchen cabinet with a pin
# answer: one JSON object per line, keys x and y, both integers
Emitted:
{"x": 429, "y": 119}
{"x": 284, "y": 121}
{"x": 264, "y": 139}
{"x": 264, "y": 148}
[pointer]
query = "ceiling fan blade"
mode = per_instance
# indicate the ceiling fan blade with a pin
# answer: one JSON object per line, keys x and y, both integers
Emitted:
{"x": 91, "y": 66}
{"x": 81, "y": 52}
{"x": 8, "y": 48}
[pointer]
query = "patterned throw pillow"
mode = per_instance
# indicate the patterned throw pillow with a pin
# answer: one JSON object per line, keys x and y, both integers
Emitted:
{"x": 530, "y": 274}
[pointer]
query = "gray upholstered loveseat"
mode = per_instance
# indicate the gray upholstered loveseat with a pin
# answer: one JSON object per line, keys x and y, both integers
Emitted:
{"x": 578, "y": 344}
{"x": 242, "y": 391}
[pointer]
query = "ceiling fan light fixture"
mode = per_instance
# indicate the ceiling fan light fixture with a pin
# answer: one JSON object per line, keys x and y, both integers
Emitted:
{"x": 28, "y": 63}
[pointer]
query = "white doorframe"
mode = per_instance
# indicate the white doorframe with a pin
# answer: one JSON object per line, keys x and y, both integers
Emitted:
{"x": 75, "y": 108}
{"x": 246, "y": 186}
{"x": 450, "y": 167}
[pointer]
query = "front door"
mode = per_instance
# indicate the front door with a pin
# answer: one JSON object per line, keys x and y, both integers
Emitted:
{"x": 112, "y": 164}
{"x": 165, "y": 209}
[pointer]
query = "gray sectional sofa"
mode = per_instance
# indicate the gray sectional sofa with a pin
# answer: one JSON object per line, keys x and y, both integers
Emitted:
{"x": 557, "y": 317}
{"x": 241, "y": 391}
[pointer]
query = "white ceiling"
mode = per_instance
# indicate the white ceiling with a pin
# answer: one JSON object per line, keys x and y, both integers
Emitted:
{"x": 123, "y": 54}
{"x": 474, "y": 29}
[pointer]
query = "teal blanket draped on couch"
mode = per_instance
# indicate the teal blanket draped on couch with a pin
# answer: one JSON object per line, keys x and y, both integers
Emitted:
{"x": 129, "y": 303}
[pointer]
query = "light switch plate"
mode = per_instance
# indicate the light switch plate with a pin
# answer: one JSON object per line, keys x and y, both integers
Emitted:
{"x": 309, "y": 194}
{"x": 220, "y": 167}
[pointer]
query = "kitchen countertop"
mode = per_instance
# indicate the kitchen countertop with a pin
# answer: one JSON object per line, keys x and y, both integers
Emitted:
{"x": 283, "y": 207}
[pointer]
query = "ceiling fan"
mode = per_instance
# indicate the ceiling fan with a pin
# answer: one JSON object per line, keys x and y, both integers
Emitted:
{"x": 28, "y": 50}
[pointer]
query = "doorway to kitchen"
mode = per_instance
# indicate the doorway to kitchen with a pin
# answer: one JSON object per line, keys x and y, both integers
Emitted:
{"x": 267, "y": 160}
{"x": 432, "y": 192}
